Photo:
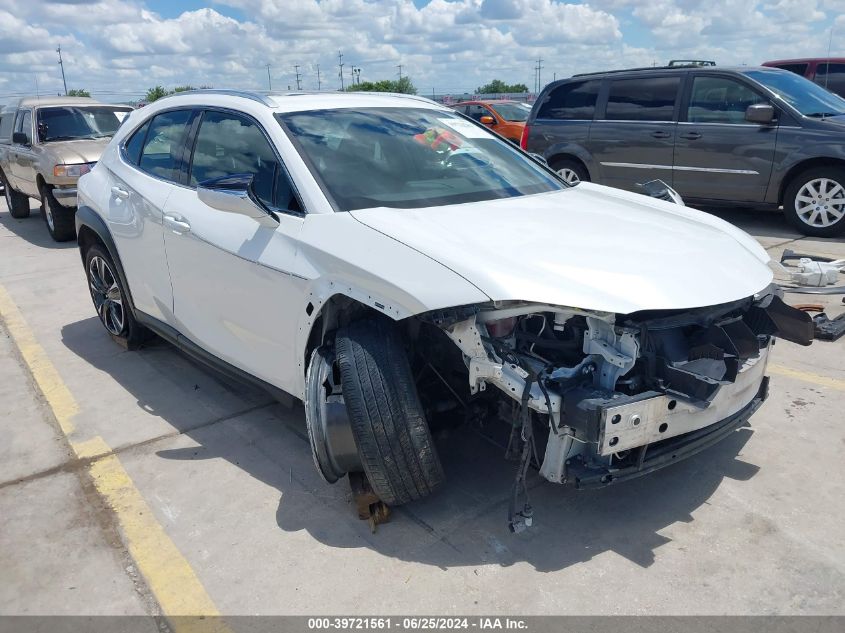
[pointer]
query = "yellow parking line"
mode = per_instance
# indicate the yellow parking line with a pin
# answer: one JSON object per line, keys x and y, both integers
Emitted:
{"x": 168, "y": 574}
{"x": 823, "y": 381}
{"x": 45, "y": 375}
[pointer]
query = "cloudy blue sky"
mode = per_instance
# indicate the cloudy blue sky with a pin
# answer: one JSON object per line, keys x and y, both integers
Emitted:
{"x": 118, "y": 48}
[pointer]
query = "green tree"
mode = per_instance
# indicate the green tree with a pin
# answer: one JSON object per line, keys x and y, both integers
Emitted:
{"x": 78, "y": 92}
{"x": 183, "y": 88}
{"x": 497, "y": 86}
{"x": 154, "y": 94}
{"x": 404, "y": 86}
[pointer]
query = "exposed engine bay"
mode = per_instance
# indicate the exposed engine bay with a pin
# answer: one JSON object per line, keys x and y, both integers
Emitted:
{"x": 594, "y": 398}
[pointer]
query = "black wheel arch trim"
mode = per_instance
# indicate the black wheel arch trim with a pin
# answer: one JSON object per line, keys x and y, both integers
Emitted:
{"x": 88, "y": 219}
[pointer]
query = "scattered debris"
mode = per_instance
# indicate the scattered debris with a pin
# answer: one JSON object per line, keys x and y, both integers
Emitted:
{"x": 829, "y": 329}
{"x": 810, "y": 270}
{"x": 809, "y": 307}
{"x": 370, "y": 507}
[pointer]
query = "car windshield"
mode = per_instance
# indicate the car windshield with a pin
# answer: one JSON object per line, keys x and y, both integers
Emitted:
{"x": 410, "y": 158}
{"x": 802, "y": 94}
{"x": 65, "y": 123}
{"x": 511, "y": 111}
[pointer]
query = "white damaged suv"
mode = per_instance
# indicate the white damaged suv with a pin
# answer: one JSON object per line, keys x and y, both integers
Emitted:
{"x": 393, "y": 265}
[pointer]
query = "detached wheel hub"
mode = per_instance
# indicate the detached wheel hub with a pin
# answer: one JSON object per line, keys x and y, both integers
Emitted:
{"x": 329, "y": 431}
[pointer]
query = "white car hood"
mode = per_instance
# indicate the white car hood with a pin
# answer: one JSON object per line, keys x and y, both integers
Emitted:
{"x": 590, "y": 247}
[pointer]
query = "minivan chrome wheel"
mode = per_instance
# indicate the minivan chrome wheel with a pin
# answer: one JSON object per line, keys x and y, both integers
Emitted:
{"x": 569, "y": 176}
{"x": 820, "y": 202}
{"x": 106, "y": 294}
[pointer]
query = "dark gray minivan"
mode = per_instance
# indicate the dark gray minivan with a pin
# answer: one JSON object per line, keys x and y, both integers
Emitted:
{"x": 758, "y": 137}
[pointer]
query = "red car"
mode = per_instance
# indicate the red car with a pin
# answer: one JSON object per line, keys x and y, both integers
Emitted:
{"x": 825, "y": 71}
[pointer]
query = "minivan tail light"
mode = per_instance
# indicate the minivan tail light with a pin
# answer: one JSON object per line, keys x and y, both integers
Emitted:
{"x": 523, "y": 140}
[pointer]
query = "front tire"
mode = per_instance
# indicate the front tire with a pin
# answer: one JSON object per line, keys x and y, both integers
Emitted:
{"x": 110, "y": 298}
{"x": 59, "y": 220}
{"x": 388, "y": 422}
{"x": 17, "y": 202}
{"x": 814, "y": 202}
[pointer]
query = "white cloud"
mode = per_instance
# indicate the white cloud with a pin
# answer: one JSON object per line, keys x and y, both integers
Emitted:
{"x": 118, "y": 47}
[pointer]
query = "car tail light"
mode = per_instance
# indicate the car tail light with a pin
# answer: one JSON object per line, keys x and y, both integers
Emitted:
{"x": 500, "y": 328}
{"x": 523, "y": 140}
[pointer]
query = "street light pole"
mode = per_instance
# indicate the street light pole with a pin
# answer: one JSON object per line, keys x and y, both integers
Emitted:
{"x": 61, "y": 64}
{"x": 269, "y": 81}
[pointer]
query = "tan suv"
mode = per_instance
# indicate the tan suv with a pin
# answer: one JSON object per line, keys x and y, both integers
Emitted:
{"x": 46, "y": 144}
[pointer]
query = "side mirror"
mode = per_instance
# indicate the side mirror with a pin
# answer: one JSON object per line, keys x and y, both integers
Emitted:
{"x": 233, "y": 194}
{"x": 762, "y": 113}
{"x": 487, "y": 120}
{"x": 660, "y": 190}
{"x": 20, "y": 138}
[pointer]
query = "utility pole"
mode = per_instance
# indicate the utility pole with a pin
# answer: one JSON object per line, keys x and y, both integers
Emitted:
{"x": 61, "y": 64}
{"x": 298, "y": 77}
{"x": 340, "y": 65}
{"x": 269, "y": 81}
{"x": 400, "y": 71}
{"x": 318, "y": 77}
{"x": 539, "y": 70}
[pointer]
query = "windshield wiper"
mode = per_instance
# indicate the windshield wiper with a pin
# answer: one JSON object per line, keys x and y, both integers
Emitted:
{"x": 821, "y": 115}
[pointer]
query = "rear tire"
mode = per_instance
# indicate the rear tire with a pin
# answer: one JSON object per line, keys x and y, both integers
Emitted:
{"x": 570, "y": 170}
{"x": 814, "y": 202}
{"x": 111, "y": 299}
{"x": 17, "y": 202}
{"x": 60, "y": 220}
{"x": 388, "y": 422}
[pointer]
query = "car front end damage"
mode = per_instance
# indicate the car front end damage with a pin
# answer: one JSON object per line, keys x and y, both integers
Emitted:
{"x": 611, "y": 396}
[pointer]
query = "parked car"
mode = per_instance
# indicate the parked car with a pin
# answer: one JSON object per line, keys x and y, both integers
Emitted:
{"x": 758, "y": 137}
{"x": 398, "y": 268}
{"x": 828, "y": 72}
{"x": 503, "y": 117}
{"x": 45, "y": 145}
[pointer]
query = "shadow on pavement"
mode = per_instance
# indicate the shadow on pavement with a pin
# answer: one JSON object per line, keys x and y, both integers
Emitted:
{"x": 463, "y": 524}
{"x": 32, "y": 229}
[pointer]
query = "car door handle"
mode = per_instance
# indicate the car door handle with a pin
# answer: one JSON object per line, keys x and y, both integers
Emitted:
{"x": 117, "y": 192}
{"x": 691, "y": 135}
{"x": 177, "y": 225}
{"x": 661, "y": 134}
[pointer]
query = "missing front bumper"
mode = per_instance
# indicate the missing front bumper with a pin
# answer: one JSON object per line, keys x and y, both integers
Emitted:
{"x": 652, "y": 457}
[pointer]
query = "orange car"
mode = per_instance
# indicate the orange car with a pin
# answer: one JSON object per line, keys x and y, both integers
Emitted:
{"x": 503, "y": 117}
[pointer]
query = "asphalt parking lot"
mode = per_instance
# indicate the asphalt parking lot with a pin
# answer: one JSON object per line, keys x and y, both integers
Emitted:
{"x": 141, "y": 483}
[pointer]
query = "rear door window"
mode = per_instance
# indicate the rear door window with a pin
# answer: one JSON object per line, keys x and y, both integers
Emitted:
{"x": 571, "y": 101}
{"x": 798, "y": 69}
{"x": 720, "y": 100}
{"x": 832, "y": 77}
{"x": 164, "y": 143}
{"x": 642, "y": 99}
{"x": 6, "y": 123}
{"x": 135, "y": 144}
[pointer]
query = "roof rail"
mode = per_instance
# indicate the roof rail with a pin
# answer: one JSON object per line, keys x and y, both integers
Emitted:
{"x": 642, "y": 68}
{"x": 246, "y": 94}
{"x": 674, "y": 63}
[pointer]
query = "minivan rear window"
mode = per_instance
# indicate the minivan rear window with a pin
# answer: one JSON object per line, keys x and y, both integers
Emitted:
{"x": 642, "y": 99}
{"x": 571, "y": 101}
